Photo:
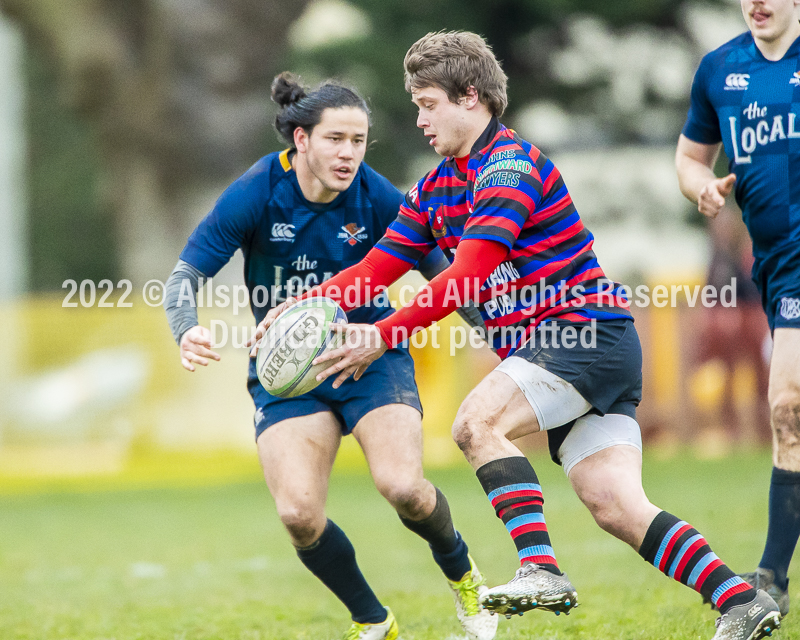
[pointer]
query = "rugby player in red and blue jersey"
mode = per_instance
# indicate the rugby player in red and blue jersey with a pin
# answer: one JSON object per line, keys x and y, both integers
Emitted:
{"x": 746, "y": 96}
{"x": 500, "y": 211}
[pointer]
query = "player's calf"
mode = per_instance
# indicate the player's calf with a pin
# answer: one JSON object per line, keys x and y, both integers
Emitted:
{"x": 513, "y": 489}
{"x": 678, "y": 550}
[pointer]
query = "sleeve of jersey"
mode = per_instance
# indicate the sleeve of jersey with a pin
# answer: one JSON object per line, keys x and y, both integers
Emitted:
{"x": 223, "y": 230}
{"x": 702, "y": 123}
{"x": 357, "y": 285}
{"x": 505, "y": 197}
{"x": 409, "y": 237}
{"x": 474, "y": 262}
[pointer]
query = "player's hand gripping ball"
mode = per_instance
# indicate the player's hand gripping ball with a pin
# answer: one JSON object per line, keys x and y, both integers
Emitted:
{"x": 297, "y": 336}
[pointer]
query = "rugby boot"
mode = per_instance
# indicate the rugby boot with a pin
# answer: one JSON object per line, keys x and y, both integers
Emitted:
{"x": 765, "y": 579}
{"x": 477, "y": 622}
{"x": 386, "y": 630}
{"x": 532, "y": 588}
{"x": 750, "y": 621}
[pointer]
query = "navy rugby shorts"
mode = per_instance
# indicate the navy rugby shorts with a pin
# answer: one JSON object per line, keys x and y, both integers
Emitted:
{"x": 778, "y": 279}
{"x": 607, "y": 372}
{"x": 388, "y": 380}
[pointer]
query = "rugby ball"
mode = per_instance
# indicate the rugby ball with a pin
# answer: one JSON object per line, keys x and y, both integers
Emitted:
{"x": 297, "y": 336}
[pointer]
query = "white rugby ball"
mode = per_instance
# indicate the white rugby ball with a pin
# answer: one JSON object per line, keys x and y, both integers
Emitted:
{"x": 298, "y": 335}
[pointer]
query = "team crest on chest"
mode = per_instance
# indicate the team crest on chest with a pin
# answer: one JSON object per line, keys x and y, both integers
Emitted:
{"x": 352, "y": 234}
{"x": 436, "y": 217}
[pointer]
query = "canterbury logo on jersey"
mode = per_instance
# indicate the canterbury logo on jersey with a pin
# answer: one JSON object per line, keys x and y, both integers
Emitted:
{"x": 737, "y": 82}
{"x": 282, "y": 232}
{"x": 795, "y": 79}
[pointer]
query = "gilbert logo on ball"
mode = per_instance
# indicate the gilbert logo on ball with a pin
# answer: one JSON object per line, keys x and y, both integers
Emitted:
{"x": 298, "y": 335}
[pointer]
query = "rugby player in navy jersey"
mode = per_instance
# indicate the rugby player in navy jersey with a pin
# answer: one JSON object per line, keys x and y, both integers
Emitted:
{"x": 300, "y": 217}
{"x": 501, "y": 213}
{"x": 746, "y": 97}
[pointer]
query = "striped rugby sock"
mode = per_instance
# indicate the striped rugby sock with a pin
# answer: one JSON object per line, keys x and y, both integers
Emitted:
{"x": 677, "y": 549}
{"x": 513, "y": 489}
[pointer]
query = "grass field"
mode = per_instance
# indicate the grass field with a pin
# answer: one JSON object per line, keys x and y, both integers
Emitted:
{"x": 212, "y": 562}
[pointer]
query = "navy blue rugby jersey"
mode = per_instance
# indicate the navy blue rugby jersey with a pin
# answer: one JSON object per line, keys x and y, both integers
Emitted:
{"x": 291, "y": 244}
{"x": 751, "y": 105}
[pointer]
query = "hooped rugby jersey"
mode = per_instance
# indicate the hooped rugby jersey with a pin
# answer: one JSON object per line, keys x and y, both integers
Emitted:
{"x": 752, "y": 106}
{"x": 291, "y": 244}
{"x": 510, "y": 193}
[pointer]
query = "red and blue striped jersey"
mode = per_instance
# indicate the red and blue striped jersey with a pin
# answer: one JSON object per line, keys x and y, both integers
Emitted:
{"x": 510, "y": 193}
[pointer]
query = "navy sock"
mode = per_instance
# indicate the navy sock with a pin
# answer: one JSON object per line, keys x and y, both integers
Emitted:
{"x": 455, "y": 564}
{"x": 333, "y": 560}
{"x": 784, "y": 524}
{"x": 449, "y": 549}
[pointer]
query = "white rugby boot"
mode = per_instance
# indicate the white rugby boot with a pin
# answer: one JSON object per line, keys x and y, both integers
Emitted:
{"x": 477, "y": 622}
{"x": 386, "y": 630}
{"x": 532, "y": 588}
{"x": 750, "y": 621}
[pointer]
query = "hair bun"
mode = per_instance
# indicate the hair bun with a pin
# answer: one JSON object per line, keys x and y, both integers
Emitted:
{"x": 286, "y": 89}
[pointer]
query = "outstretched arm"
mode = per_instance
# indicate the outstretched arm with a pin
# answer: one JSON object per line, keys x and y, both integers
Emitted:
{"x": 180, "y": 303}
{"x": 364, "y": 343}
{"x": 695, "y": 162}
{"x": 435, "y": 263}
{"x": 351, "y": 288}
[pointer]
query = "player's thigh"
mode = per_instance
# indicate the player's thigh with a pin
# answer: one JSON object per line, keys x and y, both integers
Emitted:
{"x": 391, "y": 438}
{"x": 602, "y": 456}
{"x": 610, "y": 477}
{"x": 520, "y": 397}
{"x": 595, "y": 441}
{"x": 784, "y": 376}
{"x": 297, "y": 456}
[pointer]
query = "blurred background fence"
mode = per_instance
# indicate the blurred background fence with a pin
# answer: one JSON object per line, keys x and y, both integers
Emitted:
{"x": 121, "y": 122}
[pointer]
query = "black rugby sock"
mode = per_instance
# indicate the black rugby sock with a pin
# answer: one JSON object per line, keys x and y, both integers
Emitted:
{"x": 449, "y": 549}
{"x": 333, "y": 560}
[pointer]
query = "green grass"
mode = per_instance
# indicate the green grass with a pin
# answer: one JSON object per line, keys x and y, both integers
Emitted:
{"x": 214, "y": 562}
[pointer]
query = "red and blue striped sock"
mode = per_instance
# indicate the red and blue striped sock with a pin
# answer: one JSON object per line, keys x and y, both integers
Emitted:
{"x": 513, "y": 489}
{"x": 677, "y": 549}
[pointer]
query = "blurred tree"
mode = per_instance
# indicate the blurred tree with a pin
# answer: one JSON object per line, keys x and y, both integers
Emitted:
{"x": 175, "y": 93}
{"x": 525, "y": 35}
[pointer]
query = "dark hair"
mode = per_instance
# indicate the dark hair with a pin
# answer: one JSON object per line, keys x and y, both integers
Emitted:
{"x": 454, "y": 62}
{"x": 303, "y": 108}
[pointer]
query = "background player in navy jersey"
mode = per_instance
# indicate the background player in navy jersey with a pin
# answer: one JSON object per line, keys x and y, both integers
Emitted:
{"x": 501, "y": 213}
{"x": 746, "y": 96}
{"x": 299, "y": 217}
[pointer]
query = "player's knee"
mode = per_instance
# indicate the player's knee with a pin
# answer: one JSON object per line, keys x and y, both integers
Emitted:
{"x": 303, "y": 524}
{"x": 785, "y": 414}
{"x": 466, "y": 430}
{"x": 470, "y": 426}
{"x": 607, "y": 516}
{"x": 405, "y": 495}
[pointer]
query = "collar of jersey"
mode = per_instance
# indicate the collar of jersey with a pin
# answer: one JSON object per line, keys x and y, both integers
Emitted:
{"x": 484, "y": 141}
{"x": 285, "y": 158}
{"x": 791, "y": 51}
